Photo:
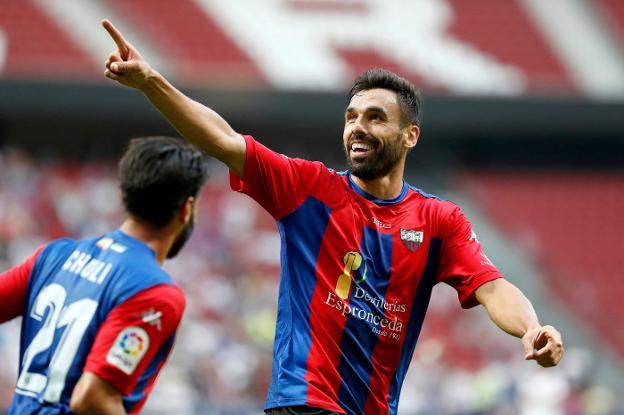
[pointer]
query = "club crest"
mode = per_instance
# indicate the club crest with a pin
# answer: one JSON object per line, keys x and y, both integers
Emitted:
{"x": 412, "y": 239}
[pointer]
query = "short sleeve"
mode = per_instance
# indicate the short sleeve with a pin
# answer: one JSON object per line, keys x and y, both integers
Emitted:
{"x": 463, "y": 264}
{"x": 132, "y": 336}
{"x": 14, "y": 287}
{"x": 279, "y": 183}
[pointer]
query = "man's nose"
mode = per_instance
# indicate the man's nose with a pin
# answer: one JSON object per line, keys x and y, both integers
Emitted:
{"x": 358, "y": 126}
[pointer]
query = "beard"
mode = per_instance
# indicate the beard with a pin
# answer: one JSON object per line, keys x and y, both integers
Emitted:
{"x": 182, "y": 238}
{"x": 377, "y": 164}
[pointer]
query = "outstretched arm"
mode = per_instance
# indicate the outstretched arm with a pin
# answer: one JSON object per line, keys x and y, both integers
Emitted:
{"x": 197, "y": 123}
{"x": 513, "y": 313}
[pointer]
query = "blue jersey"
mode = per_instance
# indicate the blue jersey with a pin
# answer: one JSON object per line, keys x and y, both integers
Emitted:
{"x": 76, "y": 315}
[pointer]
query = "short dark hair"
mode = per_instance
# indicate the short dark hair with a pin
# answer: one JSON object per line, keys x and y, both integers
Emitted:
{"x": 157, "y": 175}
{"x": 409, "y": 96}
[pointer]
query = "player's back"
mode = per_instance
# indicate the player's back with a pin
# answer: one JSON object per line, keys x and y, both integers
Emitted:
{"x": 73, "y": 286}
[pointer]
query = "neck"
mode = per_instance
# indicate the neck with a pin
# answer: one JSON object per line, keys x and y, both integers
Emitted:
{"x": 386, "y": 187}
{"x": 160, "y": 240}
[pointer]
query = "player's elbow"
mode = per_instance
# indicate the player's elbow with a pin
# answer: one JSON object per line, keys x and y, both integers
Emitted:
{"x": 79, "y": 404}
{"x": 93, "y": 395}
{"x": 493, "y": 293}
{"x": 92, "y": 403}
{"x": 81, "y": 395}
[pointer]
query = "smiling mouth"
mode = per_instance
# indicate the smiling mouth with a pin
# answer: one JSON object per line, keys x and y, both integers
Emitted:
{"x": 360, "y": 149}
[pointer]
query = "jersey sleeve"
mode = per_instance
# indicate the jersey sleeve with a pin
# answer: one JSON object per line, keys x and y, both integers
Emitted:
{"x": 14, "y": 287}
{"x": 279, "y": 183}
{"x": 463, "y": 264}
{"x": 132, "y": 336}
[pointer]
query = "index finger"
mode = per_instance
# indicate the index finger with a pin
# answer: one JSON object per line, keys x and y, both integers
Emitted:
{"x": 124, "y": 49}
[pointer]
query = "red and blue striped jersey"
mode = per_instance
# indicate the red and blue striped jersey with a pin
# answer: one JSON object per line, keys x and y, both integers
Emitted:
{"x": 356, "y": 278}
{"x": 101, "y": 305}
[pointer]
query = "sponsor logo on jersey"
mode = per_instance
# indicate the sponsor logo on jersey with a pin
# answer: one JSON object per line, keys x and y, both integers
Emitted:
{"x": 152, "y": 317}
{"x": 128, "y": 350}
{"x": 379, "y": 223}
{"x": 384, "y": 318}
{"x": 352, "y": 261}
{"x": 412, "y": 239}
{"x": 487, "y": 260}
{"x": 473, "y": 237}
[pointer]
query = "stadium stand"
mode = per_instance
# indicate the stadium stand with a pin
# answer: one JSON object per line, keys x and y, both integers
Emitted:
{"x": 612, "y": 11}
{"x": 504, "y": 30}
{"x": 179, "y": 33}
{"x": 37, "y": 47}
{"x": 571, "y": 223}
{"x": 184, "y": 40}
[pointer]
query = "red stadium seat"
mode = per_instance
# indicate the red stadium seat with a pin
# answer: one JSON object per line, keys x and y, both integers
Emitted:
{"x": 612, "y": 11}
{"x": 504, "y": 30}
{"x": 37, "y": 47}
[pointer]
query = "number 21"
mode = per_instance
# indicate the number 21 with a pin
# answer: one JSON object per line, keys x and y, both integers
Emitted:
{"x": 76, "y": 318}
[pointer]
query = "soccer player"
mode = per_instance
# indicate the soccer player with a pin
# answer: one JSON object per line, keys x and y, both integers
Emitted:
{"x": 361, "y": 249}
{"x": 100, "y": 314}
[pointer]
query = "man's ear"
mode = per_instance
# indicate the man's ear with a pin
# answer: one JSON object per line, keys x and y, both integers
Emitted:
{"x": 186, "y": 210}
{"x": 412, "y": 132}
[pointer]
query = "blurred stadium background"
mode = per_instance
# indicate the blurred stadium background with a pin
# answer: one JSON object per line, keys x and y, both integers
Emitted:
{"x": 523, "y": 126}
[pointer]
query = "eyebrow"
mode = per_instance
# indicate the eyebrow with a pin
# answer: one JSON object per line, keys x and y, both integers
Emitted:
{"x": 368, "y": 109}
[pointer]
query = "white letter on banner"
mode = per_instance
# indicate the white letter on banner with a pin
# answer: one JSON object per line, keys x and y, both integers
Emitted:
{"x": 294, "y": 46}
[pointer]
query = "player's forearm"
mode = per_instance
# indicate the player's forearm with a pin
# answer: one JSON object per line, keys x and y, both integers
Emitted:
{"x": 508, "y": 308}
{"x": 197, "y": 123}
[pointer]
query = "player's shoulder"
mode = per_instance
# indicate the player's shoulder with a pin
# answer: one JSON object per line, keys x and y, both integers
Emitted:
{"x": 56, "y": 249}
{"x": 312, "y": 165}
{"x": 61, "y": 243}
{"x": 423, "y": 196}
{"x": 144, "y": 272}
{"x": 134, "y": 264}
{"x": 442, "y": 206}
{"x": 166, "y": 296}
{"x": 129, "y": 254}
{"x": 68, "y": 244}
{"x": 167, "y": 293}
{"x": 310, "y": 169}
{"x": 170, "y": 294}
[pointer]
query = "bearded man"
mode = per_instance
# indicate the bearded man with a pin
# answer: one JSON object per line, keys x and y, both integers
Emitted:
{"x": 361, "y": 249}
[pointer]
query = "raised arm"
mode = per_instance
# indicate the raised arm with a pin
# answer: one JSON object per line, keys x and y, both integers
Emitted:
{"x": 513, "y": 313}
{"x": 197, "y": 123}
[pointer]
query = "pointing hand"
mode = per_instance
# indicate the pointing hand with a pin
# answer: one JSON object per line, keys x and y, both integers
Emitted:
{"x": 125, "y": 65}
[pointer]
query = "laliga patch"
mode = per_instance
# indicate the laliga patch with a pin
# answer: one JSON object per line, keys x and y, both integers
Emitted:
{"x": 128, "y": 349}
